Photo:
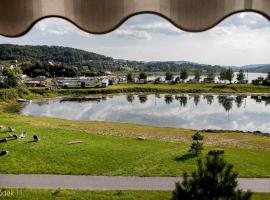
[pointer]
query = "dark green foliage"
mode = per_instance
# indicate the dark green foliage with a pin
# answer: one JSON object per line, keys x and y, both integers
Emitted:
{"x": 198, "y": 74}
{"x": 241, "y": 75}
{"x": 197, "y": 144}
{"x": 43, "y": 69}
{"x": 130, "y": 78}
{"x": 227, "y": 74}
{"x": 196, "y": 148}
{"x": 11, "y": 79}
{"x": 45, "y": 53}
{"x": 169, "y": 76}
{"x": 197, "y": 136}
{"x": 8, "y": 94}
{"x": 214, "y": 180}
{"x": 79, "y": 58}
{"x": 176, "y": 67}
{"x": 142, "y": 75}
{"x": 184, "y": 74}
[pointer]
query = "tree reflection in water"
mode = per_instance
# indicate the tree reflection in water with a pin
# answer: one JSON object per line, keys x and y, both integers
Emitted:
{"x": 225, "y": 102}
{"x": 240, "y": 100}
{"x": 130, "y": 98}
{"x": 168, "y": 99}
{"x": 196, "y": 99}
{"x": 209, "y": 99}
{"x": 182, "y": 100}
{"x": 260, "y": 99}
{"x": 142, "y": 98}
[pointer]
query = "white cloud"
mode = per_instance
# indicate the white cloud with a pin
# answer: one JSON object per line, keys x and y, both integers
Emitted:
{"x": 247, "y": 19}
{"x": 157, "y": 28}
{"x": 59, "y": 27}
{"x": 133, "y": 34}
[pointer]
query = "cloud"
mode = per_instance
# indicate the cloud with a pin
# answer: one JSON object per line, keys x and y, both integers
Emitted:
{"x": 133, "y": 34}
{"x": 143, "y": 27}
{"x": 158, "y": 28}
{"x": 59, "y": 27}
{"x": 251, "y": 20}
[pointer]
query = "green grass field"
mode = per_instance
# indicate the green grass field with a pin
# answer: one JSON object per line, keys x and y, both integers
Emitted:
{"x": 44, "y": 194}
{"x": 113, "y": 149}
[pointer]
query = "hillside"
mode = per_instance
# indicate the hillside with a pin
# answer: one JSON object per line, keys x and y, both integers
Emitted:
{"x": 72, "y": 62}
{"x": 258, "y": 68}
{"x": 176, "y": 66}
{"x": 261, "y": 68}
{"x": 44, "y": 53}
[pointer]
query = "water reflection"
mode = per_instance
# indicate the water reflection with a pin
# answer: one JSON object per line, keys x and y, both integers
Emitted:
{"x": 182, "y": 100}
{"x": 196, "y": 99}
{"x": 247, "y": 113}
{"x": 142, "y": 98}
{"x": 130, "y": 98}
{"x": 209, "y": 99}
{"x": 260, "y": 99}
{"x": 168, "y": 99}
{"x": 240, "y": 100}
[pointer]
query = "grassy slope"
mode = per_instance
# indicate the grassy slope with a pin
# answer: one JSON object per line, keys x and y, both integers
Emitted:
{"x": 112, "y": 149}
{"x": 27, "y": 194}
{"x": 161, "y": 88}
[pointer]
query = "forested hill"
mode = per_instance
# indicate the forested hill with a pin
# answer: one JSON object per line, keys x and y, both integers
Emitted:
{"x": 45, "y": 53}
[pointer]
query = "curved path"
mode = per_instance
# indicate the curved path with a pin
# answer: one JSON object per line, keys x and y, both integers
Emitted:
{"x": 112, "y": 183}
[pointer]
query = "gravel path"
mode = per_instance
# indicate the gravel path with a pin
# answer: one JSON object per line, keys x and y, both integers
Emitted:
{"x": 112, "y": 183}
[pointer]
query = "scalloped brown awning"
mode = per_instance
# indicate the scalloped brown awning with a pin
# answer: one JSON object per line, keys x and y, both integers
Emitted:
{"x": 102, "y": 16}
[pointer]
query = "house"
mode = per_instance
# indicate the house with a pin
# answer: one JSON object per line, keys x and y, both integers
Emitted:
{"x": 243, "y": 82}
{"x": 142, "y": 81}
{"x": 194, "y": 81}
{"x": 108, "y": 73}
{"x": 39, "y": 81}
{"x": 105, "y": 83}
{"x": 258, "y": 81}
{"x": 209, "y": 80}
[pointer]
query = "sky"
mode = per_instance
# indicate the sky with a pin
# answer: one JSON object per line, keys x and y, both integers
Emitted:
{"x": 241, "y": 39}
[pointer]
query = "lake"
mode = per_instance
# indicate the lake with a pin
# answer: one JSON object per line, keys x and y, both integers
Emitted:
{"x": 245, "y": 113}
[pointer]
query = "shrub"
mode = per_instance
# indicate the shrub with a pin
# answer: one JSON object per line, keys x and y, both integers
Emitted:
{"x": 197, "y": 144}
{"x": 214, "y": 180}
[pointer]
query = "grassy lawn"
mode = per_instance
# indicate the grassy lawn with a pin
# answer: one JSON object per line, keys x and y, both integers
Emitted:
{"x": 43, "y": 194}
{"x": 113, "y": 149}
{"x": 160, "y": 88}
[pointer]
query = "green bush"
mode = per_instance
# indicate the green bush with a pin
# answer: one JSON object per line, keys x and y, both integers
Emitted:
{"x": 8, "y": 94}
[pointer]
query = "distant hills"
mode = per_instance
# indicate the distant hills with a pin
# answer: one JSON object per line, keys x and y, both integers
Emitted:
{"x": 261, "y": 68}
{"x": 258, "y": 68}
{"x": 89, "y": 61}
{"x": 44, "y": 53}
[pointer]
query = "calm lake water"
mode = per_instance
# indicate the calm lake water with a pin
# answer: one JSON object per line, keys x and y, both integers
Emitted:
{"x": 246, "y": 113}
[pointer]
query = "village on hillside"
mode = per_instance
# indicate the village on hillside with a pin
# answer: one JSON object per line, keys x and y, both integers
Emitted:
{"x": 106, "y": 78}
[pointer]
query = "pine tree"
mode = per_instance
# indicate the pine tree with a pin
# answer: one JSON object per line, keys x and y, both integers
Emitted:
{"x": 197, "y": 144}
{"x": 214, "y": 180}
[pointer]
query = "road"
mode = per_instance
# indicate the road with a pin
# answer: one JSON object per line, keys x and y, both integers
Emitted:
{"x": 112, "y": 183}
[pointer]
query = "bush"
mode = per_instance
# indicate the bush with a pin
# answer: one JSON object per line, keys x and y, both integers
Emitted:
{"x": 214, "y": 180}
{"x": 197, "y": 144}
{"x": 8, "y": 94}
